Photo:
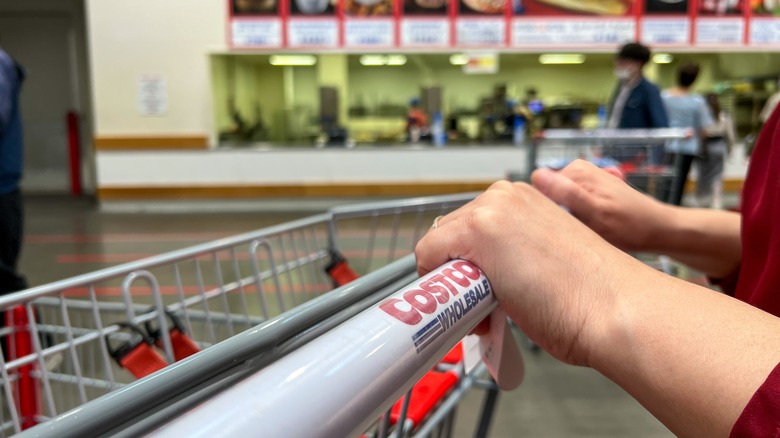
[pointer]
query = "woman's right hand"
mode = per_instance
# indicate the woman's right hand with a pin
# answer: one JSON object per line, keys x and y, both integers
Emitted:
{"x": 623, "y": 216}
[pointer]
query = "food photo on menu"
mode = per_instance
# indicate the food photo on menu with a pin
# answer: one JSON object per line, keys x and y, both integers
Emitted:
{"x": 574, "y": 7}
{"x": 765, "y": 7}
{"x": 425, "y": 7}
{"x": 368, "y": 8}
{"x": 483, "y": 7}
{"x": 254, "y": 7}
{"x": 313, "y": 7}
{"x": 720, "y": 7}
{"x": 666, "y": 6}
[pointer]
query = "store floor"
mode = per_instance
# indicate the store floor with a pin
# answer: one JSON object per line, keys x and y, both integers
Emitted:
{"x": 66, "y": 237}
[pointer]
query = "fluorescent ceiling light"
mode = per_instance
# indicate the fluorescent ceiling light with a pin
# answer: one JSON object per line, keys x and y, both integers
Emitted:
{"x": 396, "y": 60}
{"x": 663, "y": 58}
{"x": 562, "y": 58}
{"x": 292, "y": 60}
{"x": 378, "y": 60}
{"x": 459, "y": 59}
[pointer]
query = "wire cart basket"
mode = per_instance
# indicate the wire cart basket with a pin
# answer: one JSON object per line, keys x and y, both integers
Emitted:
{"x": 638, "y": 155}
{"x": 125, "y": 350}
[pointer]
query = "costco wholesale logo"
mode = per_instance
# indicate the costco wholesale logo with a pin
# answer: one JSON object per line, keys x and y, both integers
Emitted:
{"x": 457, "y": 287}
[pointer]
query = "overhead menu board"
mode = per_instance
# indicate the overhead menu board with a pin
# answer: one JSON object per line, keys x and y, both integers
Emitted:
{"x": 550, "y": 23}
{"x": 366, "y": 25}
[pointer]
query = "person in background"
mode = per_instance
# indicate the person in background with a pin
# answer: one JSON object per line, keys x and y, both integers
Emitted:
{"x": 685, "y": 110}
{"x": 636, "y": 102}
{"x": 716, "y": 148}
{"x": 11, "y": 153}
{"x": 416, "y": 121}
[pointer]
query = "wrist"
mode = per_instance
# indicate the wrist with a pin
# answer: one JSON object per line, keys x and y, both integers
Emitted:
{"x": 664, "y": 223}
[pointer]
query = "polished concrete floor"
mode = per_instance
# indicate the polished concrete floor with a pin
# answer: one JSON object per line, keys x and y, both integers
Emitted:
{"x": 66, "y": 237}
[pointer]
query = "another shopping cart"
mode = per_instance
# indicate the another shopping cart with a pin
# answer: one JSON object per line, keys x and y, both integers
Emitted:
{"x": 638, "y": 154}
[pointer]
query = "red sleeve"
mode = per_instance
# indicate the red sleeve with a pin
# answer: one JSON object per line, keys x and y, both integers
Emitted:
{"x": 728, "y": 283}
{"x": 761, "y": 417}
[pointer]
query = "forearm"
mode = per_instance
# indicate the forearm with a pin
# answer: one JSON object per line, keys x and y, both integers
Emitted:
{"x": 692, "y": 357}
{"x": 706, "y": 240}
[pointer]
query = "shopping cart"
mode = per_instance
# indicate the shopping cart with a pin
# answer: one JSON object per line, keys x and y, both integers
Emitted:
{"x": 193, "y": 322}
{"x": 638, "y": 155}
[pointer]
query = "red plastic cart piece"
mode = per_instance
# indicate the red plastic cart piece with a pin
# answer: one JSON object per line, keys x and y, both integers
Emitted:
{"x": 338, "y": 269}
{"x": 426, "y": 394}
{"x": 455, "y": 356}
{"x": 143, "y": 360}
{"x": 183, "y": 345}
{"x": 20, "y": 346}
{"x": 137, "y": 356}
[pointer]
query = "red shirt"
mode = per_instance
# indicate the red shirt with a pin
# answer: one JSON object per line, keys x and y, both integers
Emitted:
{"x": 759, "y": 275}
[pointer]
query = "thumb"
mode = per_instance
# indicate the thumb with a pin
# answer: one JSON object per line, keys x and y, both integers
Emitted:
{"x": 562, "y": 190}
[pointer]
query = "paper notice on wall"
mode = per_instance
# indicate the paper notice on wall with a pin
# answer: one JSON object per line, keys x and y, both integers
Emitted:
{"x": 152, "y": 95}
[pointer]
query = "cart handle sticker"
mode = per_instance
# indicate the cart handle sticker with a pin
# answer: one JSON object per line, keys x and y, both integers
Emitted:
{"x": 362, "y": 366}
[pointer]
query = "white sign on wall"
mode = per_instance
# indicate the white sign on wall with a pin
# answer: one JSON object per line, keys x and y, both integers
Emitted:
{"x": 422, "y": 32}
{"x": 152, "y": 95}
{"x": 666, "y": 31}
{"x": 376, "y": 32}
{"x": 313, "y": 33}
{"x": 481, "y": 32}
{"x": 535, "y": 32}
{"x": 257, "y": 33}
{"x": 765, "y": 30}
{"x": 720, "y": 30}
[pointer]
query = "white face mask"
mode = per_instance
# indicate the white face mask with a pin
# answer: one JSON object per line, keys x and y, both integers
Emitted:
{"x": 623, "y": 73}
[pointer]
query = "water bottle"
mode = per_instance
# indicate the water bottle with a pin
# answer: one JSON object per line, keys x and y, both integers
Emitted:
{"x": 437, "y": 130}
{"x": 519, "y": 131}
{"x": 602, "y": 116}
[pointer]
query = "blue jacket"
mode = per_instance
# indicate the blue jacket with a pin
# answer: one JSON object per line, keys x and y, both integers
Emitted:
{"x": 644, "y": 107}
{"x": 11, "y": 142}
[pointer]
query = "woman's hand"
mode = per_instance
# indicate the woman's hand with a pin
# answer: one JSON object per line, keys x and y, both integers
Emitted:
{"x": 620, "y": 214}
{"x": 555, "y": 278}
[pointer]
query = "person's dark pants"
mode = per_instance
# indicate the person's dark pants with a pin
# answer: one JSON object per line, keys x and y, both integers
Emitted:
{"x": 11, "y": 229}
{"x": 682, "y": 166}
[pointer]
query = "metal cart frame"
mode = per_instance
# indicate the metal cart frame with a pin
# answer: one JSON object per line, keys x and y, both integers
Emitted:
{"x": 279, "y": 270}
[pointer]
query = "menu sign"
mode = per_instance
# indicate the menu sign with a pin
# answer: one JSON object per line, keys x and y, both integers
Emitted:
{"x": 369, "y": 33}
{"x": 425, "y": 23}
{"x": 425, "y": 32}
{"x": 456, "y": 24}
{"x": 261, "y": 33}
{"x": 481, "y": 32}
{"x": 369, "y": 23}
{"x": 312, "y": 33}
{"x": 666, "y": 31}
{"x": 544, "y": 32}
{"x": 765, "y": 24}
{"x": 720, "y": 22}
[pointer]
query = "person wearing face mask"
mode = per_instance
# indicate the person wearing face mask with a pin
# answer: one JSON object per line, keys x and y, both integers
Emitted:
{"x": 636, "y": 102}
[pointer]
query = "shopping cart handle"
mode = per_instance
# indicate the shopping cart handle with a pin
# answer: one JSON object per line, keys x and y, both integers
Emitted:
{"x": 360, "y": 367}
